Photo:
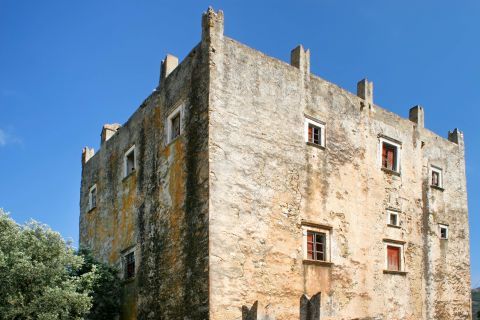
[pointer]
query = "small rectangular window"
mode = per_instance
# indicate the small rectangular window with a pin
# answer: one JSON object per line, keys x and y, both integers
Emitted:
{"x": 443, "y": 232}
{"x": 393, "y": 218}
{"x": 436, "y": 177}
{"x": 316, "y": 243}
{"x": 174, "y": 123}
{"x": 129, "y": 265}
{"x": 92, "y": 197}
{"x": 314, "y": 132}
{"x": 393, "y": 258}
{"x": 130, "y": 161}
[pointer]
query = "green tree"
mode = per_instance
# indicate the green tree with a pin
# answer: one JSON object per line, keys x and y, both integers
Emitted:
{"x": 106, "y": 288}
{"x": 39, "y": 274}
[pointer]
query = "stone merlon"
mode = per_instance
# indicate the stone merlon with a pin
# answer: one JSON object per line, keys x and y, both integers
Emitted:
{"x": 300, "y": 59}
{"x": 87, "y": 153}
{"x": 168, "y": 65}
{"x": 108, "y": 131}
{"x": 365, "y": 91}
{"x": 417, "y": 115}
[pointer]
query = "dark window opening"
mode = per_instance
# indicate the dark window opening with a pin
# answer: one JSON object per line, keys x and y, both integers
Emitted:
{"x": 393, "y": 258}
{"x": 129, "y": 265}
{"x": 93, "y": 198}
{"x": 443, "y": 233}
{"x": 175, "y": 123}
{"x": 314, "y": 134}
{"x": 130, "y": 162}
{"x": 389, "y": 156}
{"x": 394, "y": 219}
{"x": 435, "y": 178}
{"x": 316, "y": 243}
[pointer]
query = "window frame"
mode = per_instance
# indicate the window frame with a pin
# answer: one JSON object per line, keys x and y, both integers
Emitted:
{"x": 131, "y": 150}
{"x": 316, "y": 123}
{"x": 401, "y": 246}
{"x": 439, "y": 171}
{"x": 318, "y": 229}
{"x": 125, "y": 265}
{"x": 315, "y": 252}
{"x": 396, "y": 144}
{"x": 390, "y": 212}
{"x": 440, "y": 227}
{"x": 179, "y": 110}
{"x": 91, "y": 190}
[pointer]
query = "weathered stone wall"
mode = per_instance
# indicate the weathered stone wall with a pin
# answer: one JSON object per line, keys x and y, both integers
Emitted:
{"x": 264, "y": 180}
{"x": 161, "y": 209}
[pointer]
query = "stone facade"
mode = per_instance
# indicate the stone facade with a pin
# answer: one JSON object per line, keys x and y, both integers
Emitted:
{"x": 218, "y": 217}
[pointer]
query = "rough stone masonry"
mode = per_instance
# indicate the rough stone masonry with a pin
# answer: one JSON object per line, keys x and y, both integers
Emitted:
{"x": 248, "y": 188}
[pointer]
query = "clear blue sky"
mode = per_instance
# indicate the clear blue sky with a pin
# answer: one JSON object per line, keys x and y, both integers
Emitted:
{"x": 68, "y": 67}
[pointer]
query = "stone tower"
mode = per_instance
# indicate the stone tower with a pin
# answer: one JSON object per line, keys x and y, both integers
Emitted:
{"x": 248, "y": 188}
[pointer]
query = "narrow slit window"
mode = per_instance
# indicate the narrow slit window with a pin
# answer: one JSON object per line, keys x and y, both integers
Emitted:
{"x": 316, "y": 243}
{"x": 129, "y": 265}
{"x": 92, "y": 197}
{"x": 175, "y": 127}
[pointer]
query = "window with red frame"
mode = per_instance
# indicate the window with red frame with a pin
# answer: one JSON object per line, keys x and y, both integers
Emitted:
{"x": 314, "y": 134}
{"x": 316, "y": 244}
{"x": 130, "y": 265}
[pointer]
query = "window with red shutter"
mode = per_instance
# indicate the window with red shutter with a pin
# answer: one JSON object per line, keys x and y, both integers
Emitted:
{"x": 389, "y": 156}
{"x": 314, "y": 134}
{"x": 393, "y": 258}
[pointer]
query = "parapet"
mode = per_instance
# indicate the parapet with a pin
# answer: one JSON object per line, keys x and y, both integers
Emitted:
{"x": 87, "y": 153}
{"x": 108, "y": 131}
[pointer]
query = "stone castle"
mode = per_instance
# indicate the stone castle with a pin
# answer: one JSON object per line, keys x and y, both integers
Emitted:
{"x": 248, "y": 188}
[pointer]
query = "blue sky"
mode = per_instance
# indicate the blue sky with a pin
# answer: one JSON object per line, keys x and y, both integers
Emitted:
{"x": 68, "y": 67}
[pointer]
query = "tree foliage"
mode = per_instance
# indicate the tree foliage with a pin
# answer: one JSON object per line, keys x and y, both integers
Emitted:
{"x": 106, "y": 288}
{"x": 41, "y": 276}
